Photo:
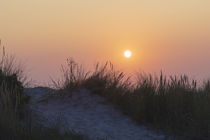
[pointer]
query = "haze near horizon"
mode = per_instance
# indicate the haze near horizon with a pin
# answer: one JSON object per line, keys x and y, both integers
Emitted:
{"x": 173, "y": 36}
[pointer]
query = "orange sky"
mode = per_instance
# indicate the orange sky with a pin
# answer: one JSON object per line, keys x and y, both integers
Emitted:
{"x": 170, "y": 35}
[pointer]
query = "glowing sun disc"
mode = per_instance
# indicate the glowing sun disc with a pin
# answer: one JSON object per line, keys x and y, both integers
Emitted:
{"x": 127, "y": 53}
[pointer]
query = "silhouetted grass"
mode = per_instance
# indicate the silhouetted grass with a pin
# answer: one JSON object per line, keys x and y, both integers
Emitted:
{"x": 15, "y": 118}
{"x": 173, "y": 103}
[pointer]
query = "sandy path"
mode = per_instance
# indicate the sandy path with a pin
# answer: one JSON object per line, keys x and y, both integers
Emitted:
{"x": 88, "y": 114}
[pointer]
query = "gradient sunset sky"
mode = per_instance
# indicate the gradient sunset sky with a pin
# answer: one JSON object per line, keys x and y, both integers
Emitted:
{"x": 172, "y": 35}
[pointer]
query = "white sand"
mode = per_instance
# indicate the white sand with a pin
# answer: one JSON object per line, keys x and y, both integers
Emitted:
{"x": 88, "y": 114}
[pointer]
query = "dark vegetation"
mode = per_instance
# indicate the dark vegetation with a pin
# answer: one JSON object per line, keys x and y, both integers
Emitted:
{"x": 174, "y": 104}
{"x": 15, "y": 116}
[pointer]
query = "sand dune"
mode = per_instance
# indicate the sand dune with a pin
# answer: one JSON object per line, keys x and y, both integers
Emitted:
{"x": 87, "y": 114}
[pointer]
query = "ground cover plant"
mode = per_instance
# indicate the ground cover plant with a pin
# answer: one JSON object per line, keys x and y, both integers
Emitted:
{"x": 174, "y": 104}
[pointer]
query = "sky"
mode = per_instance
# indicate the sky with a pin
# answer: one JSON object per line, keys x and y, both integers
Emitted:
{"x": 168, "y": 35}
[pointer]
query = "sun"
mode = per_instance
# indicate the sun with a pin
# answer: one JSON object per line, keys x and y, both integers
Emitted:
{"x": 127, "y": 53}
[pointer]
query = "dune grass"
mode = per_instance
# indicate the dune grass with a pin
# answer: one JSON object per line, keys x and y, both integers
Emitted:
{"x": 16, "y": 119}
{"x": 15, "y": 116}
{"x": 174, "y": 104}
